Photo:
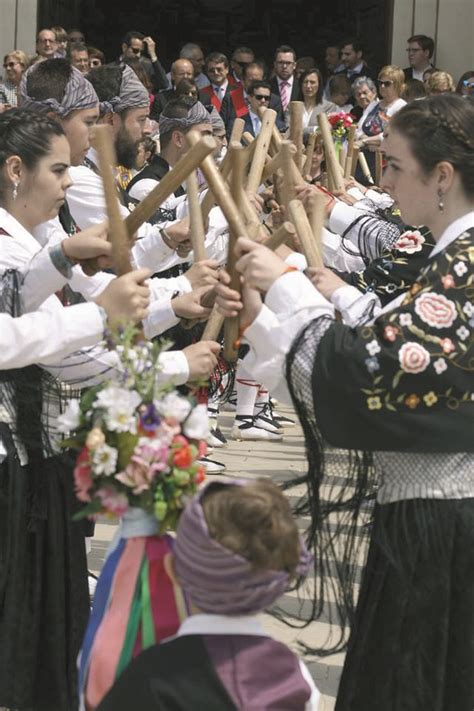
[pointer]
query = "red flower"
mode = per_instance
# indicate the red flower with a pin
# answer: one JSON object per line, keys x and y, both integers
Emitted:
{"x": 200, "y": 475}
{"x": 202, "y": 448}
{"x": 448, "y": 281}
{"x": 83, "y": 476}
{"x": 183, "y": 458}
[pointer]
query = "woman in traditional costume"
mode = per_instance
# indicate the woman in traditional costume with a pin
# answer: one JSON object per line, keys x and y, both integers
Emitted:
{"x": 399, "y": 395}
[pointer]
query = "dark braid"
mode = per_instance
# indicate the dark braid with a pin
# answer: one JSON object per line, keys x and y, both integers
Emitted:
{"x": 440, "y": 128}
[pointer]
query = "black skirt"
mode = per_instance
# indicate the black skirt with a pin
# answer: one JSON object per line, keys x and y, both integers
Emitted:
{"x": 44, "y": 601}
{"x": 412, "y": 643}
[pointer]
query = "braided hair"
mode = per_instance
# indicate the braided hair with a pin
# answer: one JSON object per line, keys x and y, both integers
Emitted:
{"x": 27, "y": 135}
{"x": 440, "y": 128}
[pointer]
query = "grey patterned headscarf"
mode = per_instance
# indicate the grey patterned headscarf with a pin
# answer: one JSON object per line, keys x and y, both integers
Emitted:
{"x": 197, "y": 114}
{"x": 133, "y": 94}
{"x": 79, "y": 94}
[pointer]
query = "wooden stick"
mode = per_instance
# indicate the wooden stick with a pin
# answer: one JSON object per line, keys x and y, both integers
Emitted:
{"x": 296, "y": 130}
{"x": 170, "y": 183}
{"x": 237, "y": 130}
{"x": 310, "y": 148}
{"x": 196, "y": 223}
{"x": 261, "y": 150}
{"x": 213, "y": 326}
{"x": 317, "y": 216}
{"x": 378, "y": 166}
{"x": 305, "y": 234}
{"x": 332, "y": 164}
{"x": 288, "y": 191}
{"x": 365, "y": 168}
{"x": 209, "y": 200}
{"x": 247, "y": 138}
{"x": 350, "y": 152}
{"x": 285, "y": 232}
{"x": 355, "y": 160}
{"x": 118, "y": 234}
{"x": 275, "y": 163}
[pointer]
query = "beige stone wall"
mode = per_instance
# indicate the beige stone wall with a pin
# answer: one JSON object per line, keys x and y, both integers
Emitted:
{"x": 449, "y": 22}
{"x": 24, "y": 37}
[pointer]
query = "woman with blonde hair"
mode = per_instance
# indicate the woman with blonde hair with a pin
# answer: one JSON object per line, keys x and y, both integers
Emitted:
{"x": 440, "y": 83}
{"x": 15, "y": 64}
{"x": 391, "y": 82}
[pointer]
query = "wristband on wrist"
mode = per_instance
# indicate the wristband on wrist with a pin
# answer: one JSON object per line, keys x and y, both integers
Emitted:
{"x": 62, "y": 263}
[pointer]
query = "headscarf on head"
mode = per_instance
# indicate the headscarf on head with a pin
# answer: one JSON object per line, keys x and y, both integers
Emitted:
{"x": 217, "y": 580}
{"x": 133, "y": 94}
{"x": 79, "y": 94}
{"x": 216, "y": 120}
{"x": 197, "y": 114}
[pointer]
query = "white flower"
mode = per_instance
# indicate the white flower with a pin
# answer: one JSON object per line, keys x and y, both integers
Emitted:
{"x": 69, "y": 420}
{"x": 460, "y": 268}
{"x": 436, "y": 310}
{"x": 174, "y": 406}
{"x": 196, "y": 425}
{"x": 413, "y": 357}
{"x": 463, "y": 333}
{"x": 468, "y": 309}
{"x": 104, "y": 460}
{"x": 373, "y": 347}
{"x": 120, "y": 407}
{"x": 410, "y": 242}
{"x": 440, "y": 365}
{"x": 405, "y": 320}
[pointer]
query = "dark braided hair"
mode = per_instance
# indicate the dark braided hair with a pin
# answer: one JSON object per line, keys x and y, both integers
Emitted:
{"x": 27, "y": 135}
{"x": 440, "y": 128}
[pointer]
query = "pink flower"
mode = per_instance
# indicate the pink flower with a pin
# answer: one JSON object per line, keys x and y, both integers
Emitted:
{"x": 150, "y": 457}
{"x": 413, "y": 357}
{"x": 410, "y": 242}
{"x": 447, "y": 345}
{"x": 436, "y": 310}
{"x": 390, "y": 333}
{"x": 448, "y": 281}
{"x": 83, "y": 476}
{"x": 113, "y": 501}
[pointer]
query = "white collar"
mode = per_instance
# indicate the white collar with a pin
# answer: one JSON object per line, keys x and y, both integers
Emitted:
{"x": 451, "y": 233}
{"x": 222, "y": 88}
{"x": 18, "y": 232}
{"x": 357, "y": 69}
{"x": 289, "y": 81}
{"x": 221, "y": 624}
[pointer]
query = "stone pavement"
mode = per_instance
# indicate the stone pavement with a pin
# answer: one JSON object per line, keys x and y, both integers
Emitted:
{"x": 277, "y": 460}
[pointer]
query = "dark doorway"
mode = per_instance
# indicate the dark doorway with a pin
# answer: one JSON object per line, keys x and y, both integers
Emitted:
{"x": 308, "y": 25}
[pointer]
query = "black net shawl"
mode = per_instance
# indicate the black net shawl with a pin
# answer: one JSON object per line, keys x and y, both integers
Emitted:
{"x": 402, "y": 385}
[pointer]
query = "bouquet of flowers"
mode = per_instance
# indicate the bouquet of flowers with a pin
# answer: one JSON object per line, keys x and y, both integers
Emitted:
{"x": 340, "y": 124}
{"x": 139, "y": 447}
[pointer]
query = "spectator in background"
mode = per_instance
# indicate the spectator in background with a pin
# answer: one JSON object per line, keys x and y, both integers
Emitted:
{"x": 61, "y": 39}
{"x": 217, "y": 67}
{"x": 284, "y": 83}
{"x": 365, "y": 95}
{"x": 414, "y": 89}
{"x": 78, "y": 55}
{"x": 46, "y": 45}
{"x": 76, "y": 35}
{"x": 311, "y": 85}
{"x": 340, "y": 92}
{"x": 333, "y": 65}
{"x": 465, "y": 85}
{"x": 187, "y": 87}
{"x": 194, "y": 53}
{"x": 440, "y": 83}
{"x": 181, "y": 69}
{"x": 241, "y": 57}
{"x": 259, "y": 96}
{"x": 420, "y": 50}
{"x": 96, "y": 57}
{"x": 352, "y": 55}
{"x": 135, "y": 44}
{"x": 302, "y": 65}
{"x": 15, "y": 64}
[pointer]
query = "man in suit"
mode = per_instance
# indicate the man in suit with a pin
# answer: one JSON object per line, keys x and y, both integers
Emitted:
{"x": 136, "y": 45}
{"x": 420, "y": 50}
{"x": 352, "y": 56}
{"x": 180, "y": 69}
{"x": 284, "y": 82}
{"x": 217, "y": 67}
{"x": 258, "y": 97}
{"x": 241, "y": 57}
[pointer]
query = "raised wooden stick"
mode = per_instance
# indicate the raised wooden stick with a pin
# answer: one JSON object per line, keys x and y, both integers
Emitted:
{"x": 275, "y": 163}
{"x": 378, "y": 166}
{"x": 365, "y": 168}
{"x": 170, "y": 182}
{"x": 283, "y": 234}
{"x": 288, "y": 191}
{"x": 261, "y": 150}
{"x": 296, "y": 130}
{"x": 247, "y": 138}
{"x": 310, "y": 148}
{"x": 237, "y": 130}
{"x": 209, "y": 200}
{"x": 332, "y": 164}
{"x": 355, "y": 160}
{"x": 213, "y": 325}
{"x": 118, "y": 234}
{"x": 317, "y": 216}
{"x": 305, "y": 234}
{"x": 350, "y": 152}
{"x": 196, "y": 223}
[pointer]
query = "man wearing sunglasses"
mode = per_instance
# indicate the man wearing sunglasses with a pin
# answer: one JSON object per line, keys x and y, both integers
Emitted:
{"x": 420, "y": 50}
{"x": 241, "y": 57}
{"x": 259, "y": 97}
{"x": 136, "y": 45}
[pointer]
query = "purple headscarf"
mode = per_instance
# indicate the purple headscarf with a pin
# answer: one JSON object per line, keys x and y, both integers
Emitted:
{"x": 79, "y": 94}
{"x": 219, "y": 581}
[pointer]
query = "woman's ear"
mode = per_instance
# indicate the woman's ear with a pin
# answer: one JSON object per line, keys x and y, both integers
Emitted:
{"x": 14, "y": 169}
{"x": 445, "y": 176}
{"x": 168, "y": 563}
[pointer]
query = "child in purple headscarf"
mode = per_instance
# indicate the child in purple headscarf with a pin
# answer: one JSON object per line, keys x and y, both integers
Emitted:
{"x": 237, "y": 549}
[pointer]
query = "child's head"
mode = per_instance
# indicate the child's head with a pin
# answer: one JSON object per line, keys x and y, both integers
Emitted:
{"x": 238, "y": 547}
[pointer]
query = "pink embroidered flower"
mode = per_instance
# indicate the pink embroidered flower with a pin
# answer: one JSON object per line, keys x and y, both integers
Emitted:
{"x": 83, "y": 476}
{"x": 390, "y": 333}
{"x": 448, "y": 281}
{"x": 413, "y": 357}
{"x": 436, "y": 310}
{"x": 112, "y": 500}
{"x": 410, "y": 242}
{"x": 447, "y": 345}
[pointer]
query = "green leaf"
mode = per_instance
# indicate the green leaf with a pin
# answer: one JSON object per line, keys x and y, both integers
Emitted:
{"x": 94, "y": 507}
{"x": 125, "y": 443}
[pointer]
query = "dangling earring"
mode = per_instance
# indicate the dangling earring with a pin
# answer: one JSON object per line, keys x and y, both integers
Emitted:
{"x": 15, "y": 191}
{"x": 440, "y": 202}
